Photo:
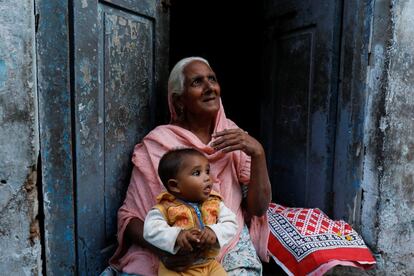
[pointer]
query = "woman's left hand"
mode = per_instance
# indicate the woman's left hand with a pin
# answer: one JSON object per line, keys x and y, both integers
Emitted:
{"x": 236, "y": 139}
{"x": 259, "y": 193}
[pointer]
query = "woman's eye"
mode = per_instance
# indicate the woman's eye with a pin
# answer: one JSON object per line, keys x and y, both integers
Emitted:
{"x": 196, "y": 173}
{"x": 212, "y": 78}
{"x": 196, "y": 82}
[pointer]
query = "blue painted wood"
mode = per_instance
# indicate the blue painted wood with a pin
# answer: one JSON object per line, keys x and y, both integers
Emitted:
{"x": 302, "y": 55}
{"x": 89, "y": 135}
{"x": 116, "y": 53}
{"x": 349, "y": 151}
{"x": 128, "y": 80}
{"x": 93, "y": 109}
{"x": 142, "y": 7}
{"x": 56, "y": 136}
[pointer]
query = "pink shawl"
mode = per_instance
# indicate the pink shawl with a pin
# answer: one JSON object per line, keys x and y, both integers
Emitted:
{"x": 228, "y": 171}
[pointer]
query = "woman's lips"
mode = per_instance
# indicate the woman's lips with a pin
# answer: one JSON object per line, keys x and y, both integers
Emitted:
{"x": 209, "y": 99}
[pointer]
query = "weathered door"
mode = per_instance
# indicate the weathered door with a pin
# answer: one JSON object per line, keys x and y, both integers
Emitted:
{"x": 302, "y": 42}
{"x": 114, "y": 78}
{"x": 113, "y": 54}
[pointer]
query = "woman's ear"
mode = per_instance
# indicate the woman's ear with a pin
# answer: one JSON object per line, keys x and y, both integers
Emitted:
{"x": 178, "y": 104}
{"x": 173, "y": 186}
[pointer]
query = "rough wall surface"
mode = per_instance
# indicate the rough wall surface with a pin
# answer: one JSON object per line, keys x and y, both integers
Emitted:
{"x": 387, "y": 208}
{"x": 396, "y": 204}
{"x": 19, "y": 145}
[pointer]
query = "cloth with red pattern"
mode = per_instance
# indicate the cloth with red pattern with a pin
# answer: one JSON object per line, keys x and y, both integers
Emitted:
{"x": 307, "y": 242}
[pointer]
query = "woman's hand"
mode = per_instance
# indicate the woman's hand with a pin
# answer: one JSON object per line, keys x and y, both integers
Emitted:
{"x": 259, "y": 189}
{"x": 207, "y": 238}
{"x": 236, "y": 139}
{"x": 187, "y": 240}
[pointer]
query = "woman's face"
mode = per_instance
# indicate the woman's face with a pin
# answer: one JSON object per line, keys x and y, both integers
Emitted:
{"x": 201, "y": 95}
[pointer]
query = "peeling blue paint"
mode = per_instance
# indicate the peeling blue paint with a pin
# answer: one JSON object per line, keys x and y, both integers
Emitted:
{"x": 3, "y": 73}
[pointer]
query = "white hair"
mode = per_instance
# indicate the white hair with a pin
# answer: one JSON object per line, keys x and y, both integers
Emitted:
{"x": 176, "y": 79}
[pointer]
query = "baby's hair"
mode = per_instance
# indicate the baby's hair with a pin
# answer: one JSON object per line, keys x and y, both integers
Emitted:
{"x": 171, "y": 162}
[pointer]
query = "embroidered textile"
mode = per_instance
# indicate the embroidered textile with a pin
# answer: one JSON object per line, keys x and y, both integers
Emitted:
{"x": 305, "y": 241}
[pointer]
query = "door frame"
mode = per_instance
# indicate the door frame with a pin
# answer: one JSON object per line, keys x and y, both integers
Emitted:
{"x": 53, "y": 47}
{"x": 352, "y": 97}
{"x": 55, "y": 73}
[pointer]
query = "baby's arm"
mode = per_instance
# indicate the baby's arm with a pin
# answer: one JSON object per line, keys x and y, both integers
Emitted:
{"x": 165, "y": 237}
{"x": 159, "y": 233}
{"x": 225, "y": 229}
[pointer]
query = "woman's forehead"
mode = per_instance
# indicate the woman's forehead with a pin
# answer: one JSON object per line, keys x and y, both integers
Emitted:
{"x": 197, "y": 67}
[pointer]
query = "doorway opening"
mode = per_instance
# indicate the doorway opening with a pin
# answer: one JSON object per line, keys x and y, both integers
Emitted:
{"x": 289, "y": 76}
{"x": 229, "y": 35}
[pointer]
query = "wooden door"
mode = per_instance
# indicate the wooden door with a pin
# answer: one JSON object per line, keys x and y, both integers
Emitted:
{"x": 114, "y": 89}
{"x": 102, "y": 72}
{"x": 301, "y": 49}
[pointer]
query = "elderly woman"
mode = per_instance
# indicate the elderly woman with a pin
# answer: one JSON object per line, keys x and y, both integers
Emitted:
{"x": 238, "y": 168}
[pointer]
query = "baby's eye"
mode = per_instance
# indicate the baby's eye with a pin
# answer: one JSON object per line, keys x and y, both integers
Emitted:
{"x": 196, "y": 173}
{"x": 208, "y": 171}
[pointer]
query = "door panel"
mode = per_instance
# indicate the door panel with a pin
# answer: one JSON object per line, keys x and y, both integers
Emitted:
{"x": 293, "y": 54}
{"x": 143, "y": 7}
{"x": 115, "y": 71}
{"x": 128, "y": 82}
{"x": 302, "y": 44}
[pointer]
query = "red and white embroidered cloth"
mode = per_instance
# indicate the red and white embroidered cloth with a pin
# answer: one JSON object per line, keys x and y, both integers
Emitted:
{"x": 306, "y": 242}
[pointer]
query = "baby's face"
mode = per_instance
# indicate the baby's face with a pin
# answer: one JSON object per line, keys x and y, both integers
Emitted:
{"x": 194, "y": 179}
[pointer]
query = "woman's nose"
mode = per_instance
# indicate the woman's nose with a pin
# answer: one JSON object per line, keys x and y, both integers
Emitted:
{"x": 209, "y": 86}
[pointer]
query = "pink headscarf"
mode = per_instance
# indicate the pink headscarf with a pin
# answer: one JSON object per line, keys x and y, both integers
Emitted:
{"x": 228, "y": 170}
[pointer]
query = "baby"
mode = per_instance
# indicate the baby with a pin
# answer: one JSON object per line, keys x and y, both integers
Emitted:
{"x": 190, "y": 215}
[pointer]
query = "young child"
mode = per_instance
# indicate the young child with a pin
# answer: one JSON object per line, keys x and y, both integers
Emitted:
{"x": 190, "y": 215}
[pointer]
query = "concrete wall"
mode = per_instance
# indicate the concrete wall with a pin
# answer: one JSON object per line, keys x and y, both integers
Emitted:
{"x": 387, "y": 220}
{"x": 19, "y": 145}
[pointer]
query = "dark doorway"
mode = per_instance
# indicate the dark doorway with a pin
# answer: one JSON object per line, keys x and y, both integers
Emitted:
{"x": 302, "y": 44}
{"x": 290, "y": 72}
{"x": 277, "y": 63}
{"x": 228, "y": 35}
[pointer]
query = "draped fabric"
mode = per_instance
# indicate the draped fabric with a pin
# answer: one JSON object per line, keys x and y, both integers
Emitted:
{"x": 307, "y": 242}
{"x": 228, "y": 170}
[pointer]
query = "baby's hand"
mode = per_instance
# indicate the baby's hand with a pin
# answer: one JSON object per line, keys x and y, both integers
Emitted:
{"x": 187, "y": 238}
{"x": 208, "y": 237}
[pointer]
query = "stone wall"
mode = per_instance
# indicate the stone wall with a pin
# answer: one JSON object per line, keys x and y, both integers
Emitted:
{"x": 396, "y": 186}
{"x": 387, "y": 220}
{"x": 19, "y": 145}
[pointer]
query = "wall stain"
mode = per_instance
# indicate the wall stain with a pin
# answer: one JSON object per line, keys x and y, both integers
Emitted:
{"x": 31, "y": 196}
{"x": 3, "y": 73}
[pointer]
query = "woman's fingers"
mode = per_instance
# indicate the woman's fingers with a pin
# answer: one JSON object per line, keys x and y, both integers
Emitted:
{"x": 227, "y": 131}
{"x": 186, "y": 245}
{"x": 184, "y": 240}
{"x": 231, "y": 140}
{"x": 236, "y": 139}
{"x": 228, "y": 137}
